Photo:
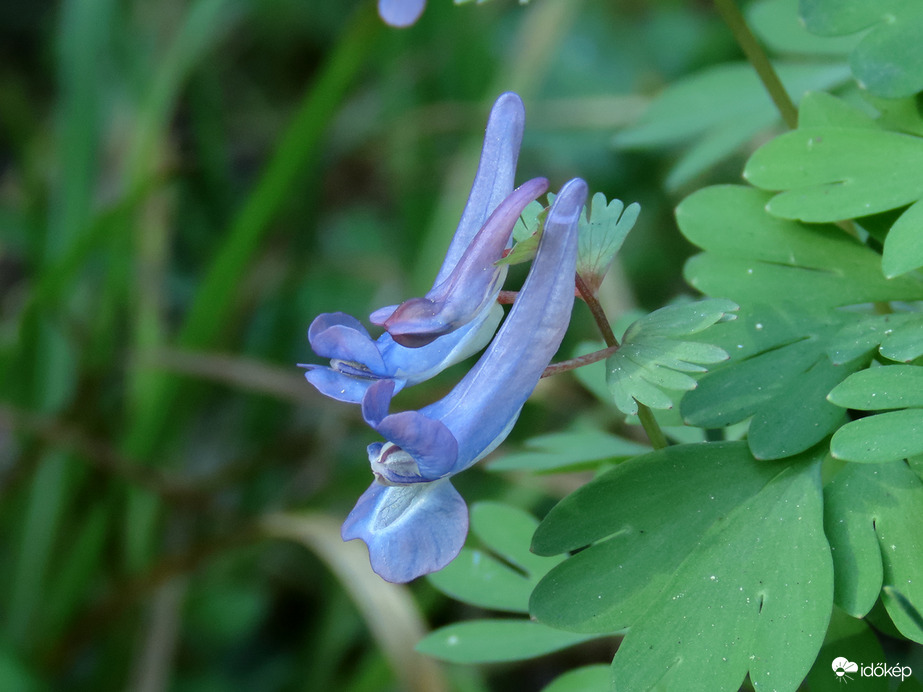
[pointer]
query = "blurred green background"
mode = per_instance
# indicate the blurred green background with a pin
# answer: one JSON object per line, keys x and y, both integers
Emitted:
{"x": 184, "y": 186}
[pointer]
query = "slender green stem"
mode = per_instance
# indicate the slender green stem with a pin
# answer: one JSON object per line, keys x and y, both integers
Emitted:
{"x": 648, "y": 422}
{"x": 758, "y": 58}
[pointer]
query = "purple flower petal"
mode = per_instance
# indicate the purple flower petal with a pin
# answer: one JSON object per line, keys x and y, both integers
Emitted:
{"x": 472, "y": 285}
{"x": 410, "y": 530}
{"x": 419, "y": 449}
{"x": 400, "y": 13}
{"x": 481, "y": 408}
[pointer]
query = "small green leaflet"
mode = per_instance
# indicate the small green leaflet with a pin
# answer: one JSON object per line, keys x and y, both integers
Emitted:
{"x": 887, "y": 59}
{"x": 742, "y": 582}
{"x": 501, "y": 579}
{"x": 653, "y": 356}
{"x": 872, "y": 516}
{"x": 889, "y": 436}
{"x": 603, "y": 227}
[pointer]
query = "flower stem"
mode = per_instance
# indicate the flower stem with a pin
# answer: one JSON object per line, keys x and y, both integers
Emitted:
{"x": 757, "y": 56}
{"x": 579, "y": 361}
{"x": 645, "y": 415}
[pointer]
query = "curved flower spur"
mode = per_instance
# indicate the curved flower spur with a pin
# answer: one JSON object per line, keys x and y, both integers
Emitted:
{"x": 463, "y": 322}
{"x": 411, "y": 518}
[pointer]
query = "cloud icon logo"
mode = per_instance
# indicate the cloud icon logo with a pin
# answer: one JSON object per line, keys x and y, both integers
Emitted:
{"x": 841, "y": 666}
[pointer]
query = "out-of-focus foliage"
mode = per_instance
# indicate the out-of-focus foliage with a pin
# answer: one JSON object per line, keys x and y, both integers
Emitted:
{"x": 185, "y": 185}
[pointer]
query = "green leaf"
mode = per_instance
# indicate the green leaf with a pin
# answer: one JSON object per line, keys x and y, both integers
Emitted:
{"x": 603, "y": 227}
{"x": 820, "y": 109}
{"x": 634, "y": 507}
{"x": 653, "y": 356}
{"x": 526, "y": 234}
{"x": 836, "y": 173}
{"x": 751, "y": 254}
{"x": 480, "y": 578}
{"x": 779, "y": 376}
{"x": 754, "y": 596}
{"x": 880, "y": 438}
{"x": 872, "y": 517}
{"x": 891, "y": 386}
{"x": 776, "y": 22}
{"x": 887, "y": 59}
{"x": 491, "y": 641}
{"x": 903, "y": 248}
{"x": 900, "y": 337}
{"x": 709, "y": 100}
{"x": 719, "y": 109}
{"x": 716, "y": 563}
{"x": 564, "y": 450}
{"x": 586, "y": 679}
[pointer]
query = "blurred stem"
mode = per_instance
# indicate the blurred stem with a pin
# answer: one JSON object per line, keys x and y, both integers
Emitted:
{"x": 757, "y": 56}
{"x": 648, "y": 422}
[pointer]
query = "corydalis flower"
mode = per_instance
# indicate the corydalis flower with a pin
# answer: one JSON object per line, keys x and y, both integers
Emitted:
{"x": 411, "y": 517}
{"x": 357, "y": 360}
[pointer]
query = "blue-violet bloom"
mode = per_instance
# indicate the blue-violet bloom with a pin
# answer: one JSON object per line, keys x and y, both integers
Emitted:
{"x": 400, "y": 13}
{"x": 411, "y": 518}
{"x": 462, "y": 325}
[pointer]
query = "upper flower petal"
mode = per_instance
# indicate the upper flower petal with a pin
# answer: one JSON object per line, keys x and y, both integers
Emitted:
{"x": 495, "y": 176}
{"x": 472, "y": 285}
{"x": 410, "y": 530}
{"x": 400, "y": 13}
{"x": 493, "y": 183}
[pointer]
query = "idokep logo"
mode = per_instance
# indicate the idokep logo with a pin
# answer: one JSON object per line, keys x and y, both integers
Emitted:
{"x": 842, "y": 667}
{"x": 845, "y": 670}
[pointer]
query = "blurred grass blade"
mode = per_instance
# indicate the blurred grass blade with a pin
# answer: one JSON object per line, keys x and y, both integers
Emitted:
{"x": 388, "y": 609}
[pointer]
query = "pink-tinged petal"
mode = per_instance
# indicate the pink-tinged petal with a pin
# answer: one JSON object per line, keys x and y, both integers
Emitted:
{"x": 400, "y": 13}
{"x": 410, "y": 530}
{"x": 472, "y": 285}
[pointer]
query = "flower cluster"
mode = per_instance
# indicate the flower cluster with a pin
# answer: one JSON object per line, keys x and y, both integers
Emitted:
{"x": 411, "y": 518}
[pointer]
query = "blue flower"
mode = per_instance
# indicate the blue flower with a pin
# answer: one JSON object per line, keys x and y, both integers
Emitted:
{"x": 411, "y": 518}
{"x": 459, "y": 314}
{"x": 400, "y": 13}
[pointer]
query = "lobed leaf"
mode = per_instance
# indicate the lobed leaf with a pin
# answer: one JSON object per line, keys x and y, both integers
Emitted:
{"x": 742, "y": 582}
{"x": 654, "y": 357}
{"x": 751, "y": 254}
{"x": 886, "y": 60}
{"x": 779, "y": 377}
{"x": 603, "y": 228}
{"x": 872, "y": 517}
